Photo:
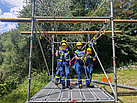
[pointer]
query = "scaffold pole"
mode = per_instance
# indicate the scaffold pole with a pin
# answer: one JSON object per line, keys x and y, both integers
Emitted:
{"x": 71, "y": 32}
{"x": 113, "y": 47}
{"x": 31, "y": 47}
{"x": 116, "y": 21}
{"x": 52, "y": 55}
{"x": 63, "y": 17}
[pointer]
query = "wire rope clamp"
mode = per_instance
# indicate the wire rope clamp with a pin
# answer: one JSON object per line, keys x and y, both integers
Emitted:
{"x": 104, "y": 31}
{"x": 41, "y": 37}
{"x": 29, "y": 78}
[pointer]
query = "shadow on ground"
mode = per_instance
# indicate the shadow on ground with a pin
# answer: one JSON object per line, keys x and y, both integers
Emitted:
{"x": 127, "y": 93}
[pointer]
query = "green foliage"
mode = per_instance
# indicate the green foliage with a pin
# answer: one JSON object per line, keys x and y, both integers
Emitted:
{"x": 7, "y": 84}
{"x": 126, "y": 48}
{"x": 126, "y": 45}
{"x": 19, "y": 95}
{"x": 83, "y": 7}
{"x": 14, "y": 55}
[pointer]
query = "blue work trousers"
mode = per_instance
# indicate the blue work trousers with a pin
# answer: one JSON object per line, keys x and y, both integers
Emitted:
{"x": 79, "y": 68}
{"x": 64, "y": 68}
{"x": 89, "y": 73}
{"x": 57, "y": 76}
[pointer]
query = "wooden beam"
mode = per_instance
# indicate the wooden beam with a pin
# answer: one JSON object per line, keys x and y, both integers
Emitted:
{"x": 15, "y": 19}
{"x": 72, "y": 20}
{"x": 116, "y": 21}
{"x": 71, "y": 32}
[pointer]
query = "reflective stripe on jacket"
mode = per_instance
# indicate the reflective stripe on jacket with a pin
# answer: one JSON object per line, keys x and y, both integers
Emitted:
{"x": 79, "y": 53}
{"x": 63, "y": 55}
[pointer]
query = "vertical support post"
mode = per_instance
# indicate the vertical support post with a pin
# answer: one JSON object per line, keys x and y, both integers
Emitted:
{"x": 113, "y": 47}
{"x": 52, "y": 56}
{"x": 31, "y": 46}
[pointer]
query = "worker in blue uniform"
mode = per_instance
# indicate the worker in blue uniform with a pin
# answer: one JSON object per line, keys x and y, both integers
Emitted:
{"x": 89, "y": 66}
{"x": 64, "y": 63}
{"x": 80, "y": 59}
{"x": 57, "y": 76}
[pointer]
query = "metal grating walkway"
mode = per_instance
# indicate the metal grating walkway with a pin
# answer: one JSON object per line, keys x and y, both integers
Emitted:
{"x": 53, "y": 93}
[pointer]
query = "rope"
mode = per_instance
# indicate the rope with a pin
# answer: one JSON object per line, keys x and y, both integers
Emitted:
{"x": 95, "y": 13}
{"x": 88, "y": 33}
{"x": 88, "y": 27}
{"x": 41, "y": 33}
{"x": 95, "y": 6}
{"x": 90, "y": 23}
{"x": 54, "y": 19}
{"x": 105, "y": 28}
{"x": 98, "y": 8}
{"x": 44, "y": 56}
{"x": 42, "y": 53}
{"x": 46, "y": 35}
{"x": 45, "y": 7}
{"x": 54, "y": 23}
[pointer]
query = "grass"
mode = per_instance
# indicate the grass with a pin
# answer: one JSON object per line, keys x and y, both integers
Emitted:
{"x": 125, "y": 77}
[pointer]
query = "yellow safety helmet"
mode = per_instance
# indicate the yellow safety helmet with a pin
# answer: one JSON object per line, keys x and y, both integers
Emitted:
{"x": 89, "y": 49}
{"x": 63, "y": 44}
{"x": 78, "y": 43}
{"x": 63, "y": 41}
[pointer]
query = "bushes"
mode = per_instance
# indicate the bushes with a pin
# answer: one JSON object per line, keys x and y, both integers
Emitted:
{"x": 7, "y": 84}
{"x": 19, "y": 95}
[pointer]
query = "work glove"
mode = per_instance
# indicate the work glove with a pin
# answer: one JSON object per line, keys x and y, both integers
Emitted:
{"x": 83, "y": 59}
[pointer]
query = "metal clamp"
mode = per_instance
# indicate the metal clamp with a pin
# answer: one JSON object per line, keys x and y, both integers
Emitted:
{"x": 29, "y": 78}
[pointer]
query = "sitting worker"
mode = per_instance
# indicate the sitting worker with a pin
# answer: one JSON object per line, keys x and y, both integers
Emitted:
{"x": 80, "y": 59}
{"x": 64, "y": 65}
{"x": 57, "y": 76}
{"x": 89, "y": 66}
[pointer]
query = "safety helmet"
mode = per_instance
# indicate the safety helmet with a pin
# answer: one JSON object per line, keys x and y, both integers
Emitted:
{"x": 89, "y": 49}
{"x": 63, "y": 41}
{"x": 63, "y": 44}
{"x": 78, "y": 43}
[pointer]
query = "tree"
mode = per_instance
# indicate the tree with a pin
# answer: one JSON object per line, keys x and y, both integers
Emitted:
{"x": 125, "y": 42}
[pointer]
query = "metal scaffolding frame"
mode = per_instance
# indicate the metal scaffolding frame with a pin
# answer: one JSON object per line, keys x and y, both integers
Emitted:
{"x": 113, "y": 46}
{"x": 90, "y": 44}
{"x": 51, "y": 93}
{"x": 118, "y": 85}
{"x": 53, "y": 56}
{"x": 31, "y": 46}
{"x": 71, "y": 32}
{"x": 93, "y": 20}
{"x": 61, "y": 17}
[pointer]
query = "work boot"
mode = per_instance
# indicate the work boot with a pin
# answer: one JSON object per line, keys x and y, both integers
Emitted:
{"x": 90, "y": 86}
{"x": 56, "y": 83}
{"x": 68, "y": 86}
{"x": 63, "y": 87}
{"x": 80, "y": 86}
